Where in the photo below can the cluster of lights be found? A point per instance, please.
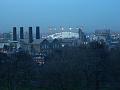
(62, 28)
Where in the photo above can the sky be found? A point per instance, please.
(91, 14)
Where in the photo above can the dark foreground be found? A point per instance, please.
(70, 68)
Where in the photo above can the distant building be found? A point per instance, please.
(14, 45)
(39, 59)
(2, 46)
(102, 35)
(55, 44)
(114, 45)
(14, 34)
(21, 33)
(82, 37)
(30, 35)
(115, 36)
(35, 45)
(37, 32)
(1, 35)
(69, 42)
(45, 46)
(6, 36)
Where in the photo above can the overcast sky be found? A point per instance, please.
(92, 14)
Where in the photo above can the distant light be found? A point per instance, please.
(88, 36)
(63, 45)
(62, 28)
(55, 28)
(50, 29)
(70, 28)
(77, 28)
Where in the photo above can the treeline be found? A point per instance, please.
(17, 71)
(93, 67)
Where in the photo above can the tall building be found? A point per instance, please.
(21, 33)
(30, 35)
(37, 32)
(80, 33)
(14, 34)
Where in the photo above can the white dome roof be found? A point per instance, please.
(63, 35)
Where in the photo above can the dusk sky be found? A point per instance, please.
(92, 14)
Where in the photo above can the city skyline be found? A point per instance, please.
(92, 14)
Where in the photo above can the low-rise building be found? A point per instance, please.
(102, 35)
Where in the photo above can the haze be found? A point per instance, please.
(92, 14)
